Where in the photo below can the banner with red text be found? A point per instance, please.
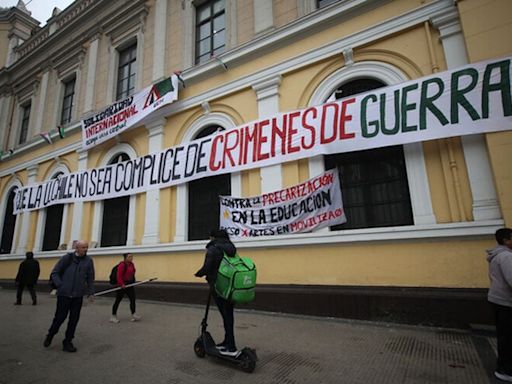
(313, 204)
(126, 113)
(469, 100)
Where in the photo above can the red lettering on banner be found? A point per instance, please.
(215, 167)
(291, 132)
(228, 148)
(324, 139)
(344, 118)
(262, 139)
(310, 128)
(278, 132)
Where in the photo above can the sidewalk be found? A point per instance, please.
(291, 349)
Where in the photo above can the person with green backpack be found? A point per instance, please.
(219, 245)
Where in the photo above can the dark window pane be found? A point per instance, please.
(67, 101)
(52, 228)
(374, 183)
(25, 119)
(114, 228)
(9, 225)
(203, 200)
(325, 3)
(210, 30)
(126, 72)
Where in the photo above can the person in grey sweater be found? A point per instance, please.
(500, 297)
(73, 276)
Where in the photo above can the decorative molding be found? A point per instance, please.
(206, 107)
(348, 55)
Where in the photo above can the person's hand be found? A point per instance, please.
(123, 286)
(90, 298)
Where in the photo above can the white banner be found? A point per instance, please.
(126, 113)
(472, 99)
(313, 204)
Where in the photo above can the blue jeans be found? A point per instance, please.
(65, 306)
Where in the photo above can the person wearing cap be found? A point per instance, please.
(215, 249)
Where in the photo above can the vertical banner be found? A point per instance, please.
(311, 205)
(126, 113)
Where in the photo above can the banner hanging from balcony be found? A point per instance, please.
(126, 113)
(469, 100)
(313, 204)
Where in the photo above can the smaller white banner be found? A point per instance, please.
(126, 113)
(313, 204)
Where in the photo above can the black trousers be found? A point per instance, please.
(65, 306)
(226, 309)
(503, 317)
(130, 292)
(30, 288)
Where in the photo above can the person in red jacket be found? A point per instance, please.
(125, 276)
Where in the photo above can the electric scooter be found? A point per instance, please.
(205, 345)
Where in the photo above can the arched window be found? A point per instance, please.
(53, 225)
(374, 182)
(9, 224)
(203, 198)
(114, 228)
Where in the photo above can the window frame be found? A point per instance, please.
(200, 59)
(419, 189)
(24, 125)
(65, 96)
(131, 48)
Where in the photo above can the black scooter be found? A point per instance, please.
(205, 345)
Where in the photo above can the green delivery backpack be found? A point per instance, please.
(236, 279)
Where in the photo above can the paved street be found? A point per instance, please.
(291, 349)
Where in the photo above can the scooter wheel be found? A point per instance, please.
(247, 363)
(199, 348)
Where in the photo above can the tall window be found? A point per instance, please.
(53, 225)
(126, 72)
(203, 199)
(114, 228)
(9, 224)
(374, 183)
(25, 119)
(210, 29)
(67, 101)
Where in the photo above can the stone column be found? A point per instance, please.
(485, 203)
(159, 39)
(263, 16)
(92, 63)
(78, 206)
(25, 216)
(267, 93)
(152, 218)
(38, 125)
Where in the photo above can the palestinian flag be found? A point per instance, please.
(61, 132)
(46, 136)
(158, 90)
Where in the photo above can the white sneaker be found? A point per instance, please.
(135, 317)
(225, 352)
(503, 376)
(114, 319)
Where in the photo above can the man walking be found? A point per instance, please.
(500, 296)
(70, 275)
(27, 276)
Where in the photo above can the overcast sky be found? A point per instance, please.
(41, 9)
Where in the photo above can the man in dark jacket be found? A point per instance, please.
(220, 243)
(70, 275)
(27, 276)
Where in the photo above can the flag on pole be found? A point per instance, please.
(46, 136)
(180, 79)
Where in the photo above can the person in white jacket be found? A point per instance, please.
(500, 297)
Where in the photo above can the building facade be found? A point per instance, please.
(420, 215)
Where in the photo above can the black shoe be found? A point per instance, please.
(47, 340)
(68, 346)
(16, 303)
(34, 303)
